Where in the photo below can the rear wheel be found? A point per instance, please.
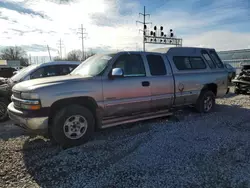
(72, 126)
(3, 110)
(205, 102)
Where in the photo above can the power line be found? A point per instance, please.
(82, 37)
(60, 44)
(144, 25)
(49, 52)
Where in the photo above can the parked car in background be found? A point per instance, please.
(7, 72)
(56, 68)
(3, 80)
(242, 81)
(112, 89)
(19, 68)
(231, 71)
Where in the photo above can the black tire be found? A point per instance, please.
(57, 127)
(244, 92)
(204, 95)
(3, 110)
(236, 91)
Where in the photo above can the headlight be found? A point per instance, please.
(29, 96)
(27, 101)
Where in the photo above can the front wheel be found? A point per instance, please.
(205, 102)
(72, 126)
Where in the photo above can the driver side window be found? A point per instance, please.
(131, 64)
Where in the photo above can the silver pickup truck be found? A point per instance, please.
(112, 89)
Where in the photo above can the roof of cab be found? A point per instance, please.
(59, 63)
(171, 50)
(180, 49)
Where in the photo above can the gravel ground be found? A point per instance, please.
(209, 150)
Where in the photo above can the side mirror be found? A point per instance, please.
(117, 72)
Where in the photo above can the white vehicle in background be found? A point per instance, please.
(55, 68)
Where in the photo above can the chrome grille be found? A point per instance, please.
(17, 103)
(17, 94)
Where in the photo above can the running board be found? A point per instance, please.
(134, 118)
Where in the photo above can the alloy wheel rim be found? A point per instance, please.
(75, 127)
(208, 103)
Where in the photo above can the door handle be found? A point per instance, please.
(145, 83)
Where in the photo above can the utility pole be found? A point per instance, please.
(60, 47)
(49, 52)
(144, 26)
(29, 59)
(65, 54)
(82, 37)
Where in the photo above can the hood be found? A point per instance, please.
(42, 82)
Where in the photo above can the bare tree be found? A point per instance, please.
(15, 53)
(89, 54)
(74, 55)
(57, 58)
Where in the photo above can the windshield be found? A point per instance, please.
(22, 73)
(93, 66)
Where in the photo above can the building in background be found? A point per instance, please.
(235, 57)
(13, 63)
(10, 63)
(3, 63)
(39, 59)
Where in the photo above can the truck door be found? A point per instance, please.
(161, 81)
(130, 93)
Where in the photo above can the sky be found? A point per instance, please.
(111, 24)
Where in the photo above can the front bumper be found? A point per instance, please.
(34, 124)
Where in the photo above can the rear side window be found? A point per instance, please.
(208, 60)
(187, 63)
(51, 71)
(45, 72)
(66, 69)
(216, 59)
(156, 65)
